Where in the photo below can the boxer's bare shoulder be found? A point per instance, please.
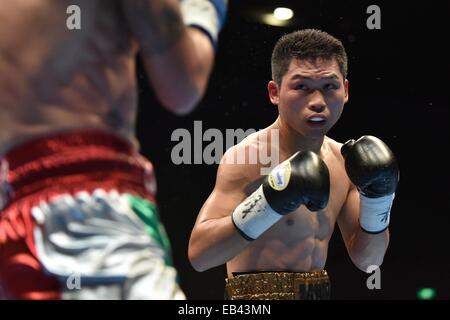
(245, 162)
(53, 78)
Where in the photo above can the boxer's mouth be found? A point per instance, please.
(316, 121)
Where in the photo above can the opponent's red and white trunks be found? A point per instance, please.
(78, 220)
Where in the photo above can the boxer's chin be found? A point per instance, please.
(314, 132)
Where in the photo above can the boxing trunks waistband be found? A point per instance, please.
(278, 286)
(77, 160)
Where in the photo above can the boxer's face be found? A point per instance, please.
(311, 96)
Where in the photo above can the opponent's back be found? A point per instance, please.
(53, 78)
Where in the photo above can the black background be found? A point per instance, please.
(399, 92)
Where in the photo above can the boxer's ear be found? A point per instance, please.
(273, 89)
(346, 90)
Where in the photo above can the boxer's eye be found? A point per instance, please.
(301, 87)
(330, 86)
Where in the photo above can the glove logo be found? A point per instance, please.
(279, 177)
(253, 201)
(384, 216)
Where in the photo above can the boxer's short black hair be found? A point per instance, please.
(308, 44)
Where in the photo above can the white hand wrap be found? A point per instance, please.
(254, 215)
(207, 15)
(374, 214)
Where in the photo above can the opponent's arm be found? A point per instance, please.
(365, 216)
(178, 59)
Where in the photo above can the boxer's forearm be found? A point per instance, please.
(368, 249)
(156, 24)
(178, 59)
(180, 75)
(215, 242)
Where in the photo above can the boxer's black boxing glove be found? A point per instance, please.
(302, 179)
(373, 169)
(308, 183)
(371, 166)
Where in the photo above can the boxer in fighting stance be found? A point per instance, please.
(273, 231)
(78, 217)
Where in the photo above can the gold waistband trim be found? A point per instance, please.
(278, 286)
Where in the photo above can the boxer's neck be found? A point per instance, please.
(292, 141)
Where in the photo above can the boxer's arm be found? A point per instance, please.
(365, 249)
(214, 239)
(178, 59)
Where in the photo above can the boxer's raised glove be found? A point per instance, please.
(301, 179)
(206, 15)
(373, 169)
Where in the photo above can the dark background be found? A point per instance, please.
(399, 92)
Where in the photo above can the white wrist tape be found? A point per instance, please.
(374, 214)
(254, 215)
(203, 14)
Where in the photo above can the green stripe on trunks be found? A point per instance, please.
(148, 213)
